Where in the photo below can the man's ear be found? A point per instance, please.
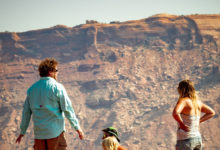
(50, 73)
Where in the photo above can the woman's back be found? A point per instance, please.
(192, 121)
(189, 107)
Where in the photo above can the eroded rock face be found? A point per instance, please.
(122, 74)
(68, 44)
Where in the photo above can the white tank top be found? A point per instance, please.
(193, 122)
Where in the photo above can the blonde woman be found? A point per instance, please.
(113, 133)
(110, 143)
(187, 113)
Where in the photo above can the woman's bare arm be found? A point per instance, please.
(176, 114)
(209, 112)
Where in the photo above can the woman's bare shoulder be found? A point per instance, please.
(183, 100)
(199, 102)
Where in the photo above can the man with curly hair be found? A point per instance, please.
(47, 102)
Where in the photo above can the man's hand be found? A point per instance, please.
(80, 133)
(19, 138)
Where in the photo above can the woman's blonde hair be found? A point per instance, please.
(186, 89)
(110, 143)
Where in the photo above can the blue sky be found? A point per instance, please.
(25, 15)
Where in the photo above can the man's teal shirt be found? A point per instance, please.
(47, 102)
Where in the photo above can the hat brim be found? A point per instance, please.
(112, 133)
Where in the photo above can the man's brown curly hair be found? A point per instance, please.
(48, 64)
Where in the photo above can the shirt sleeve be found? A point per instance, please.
(66, 107)
(26, 116)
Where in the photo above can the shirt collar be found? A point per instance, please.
(47, 78)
